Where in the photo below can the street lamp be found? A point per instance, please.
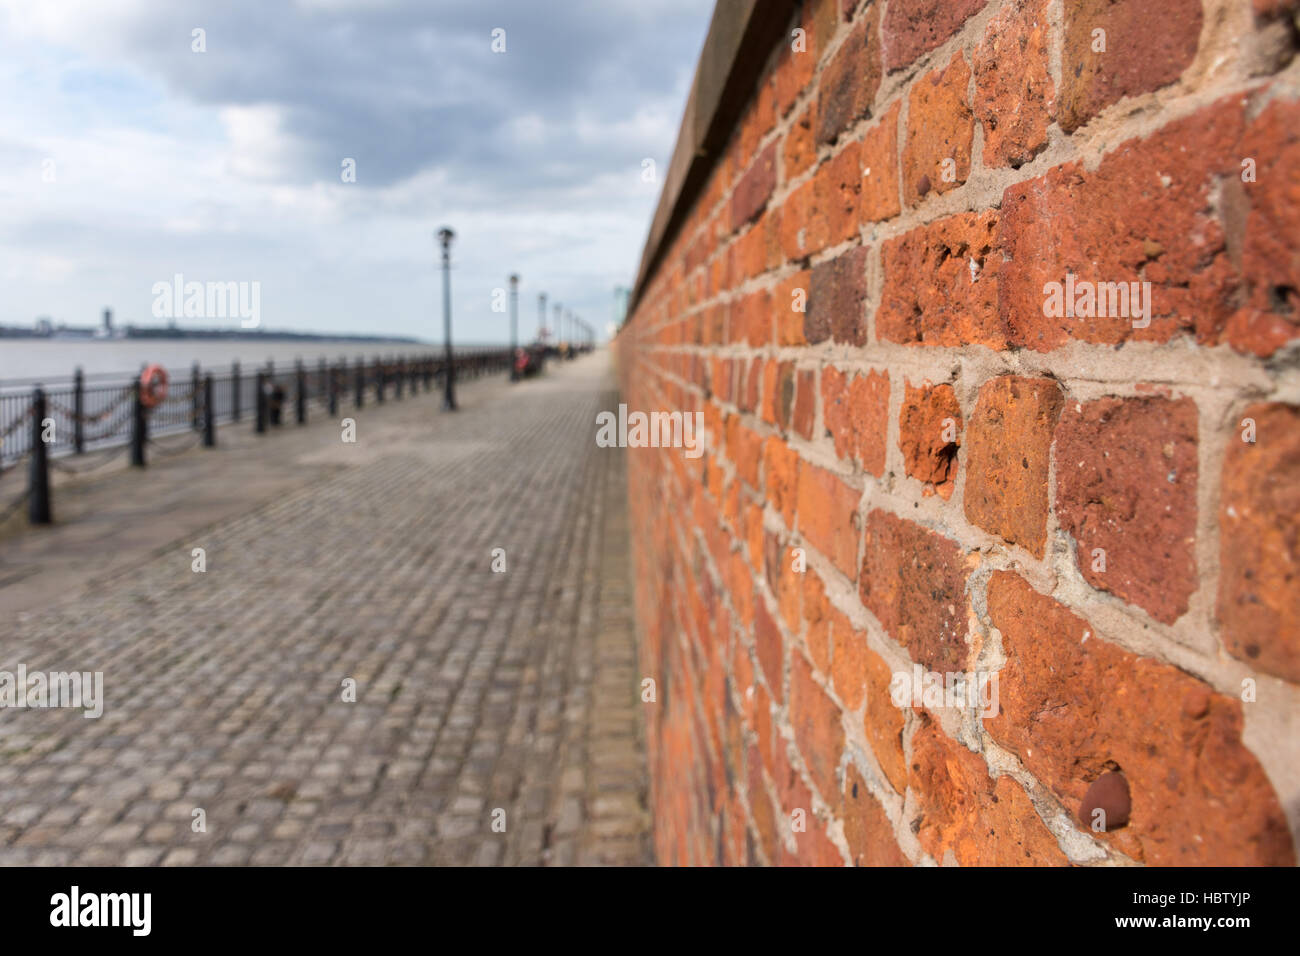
(514, 325)
(541, 315)
(445, 236)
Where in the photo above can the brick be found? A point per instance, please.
(1148, 44)
(828, 516)
(818, 614)
(883, 722)
(929, 434)
(850, 80)
(1073, 706)
(778, 393)
(790, 303)
(940, 131)
(754, 189)
(914, 582)
(878, 169)
(941, 284)
(914, 27)
(1270, 316)
(817, 729)
(771, 653)
(838, 188)
(836, 299)
(1259, 542)
(1275, 8)
(760, 808)
(781, 470)
(745, 449)
(856, 414)
(867, 829)
(1015, 98)
(804, 415)
(800, 147)
(803, 223)
(1066, 221)
(1126, 471)
(848, 663)
(1008, 455)
(965, 813)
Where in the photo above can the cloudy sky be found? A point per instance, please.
(129, 157)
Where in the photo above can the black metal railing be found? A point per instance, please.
(85, 422)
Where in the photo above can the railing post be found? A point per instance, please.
(399, 374)
(379, 380)
(209, 414)
(322, 378)
(361, 382)
(139, 427)
(234, 393)
(78, 411)
(261, 402)
(300, 396)
(333, 386)
(38, 478)
(194, 396)
(428, 374)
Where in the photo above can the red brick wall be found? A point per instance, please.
(953, 462)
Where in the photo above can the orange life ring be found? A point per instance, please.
(153, 386)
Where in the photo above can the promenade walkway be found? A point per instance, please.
(477, 691)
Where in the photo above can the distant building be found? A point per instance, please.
(108, 322)
(44, 326)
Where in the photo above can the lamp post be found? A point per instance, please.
(541, 315)
(559, 309)
(445, 236)
(514, 325)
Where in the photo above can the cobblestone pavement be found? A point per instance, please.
(477, 691)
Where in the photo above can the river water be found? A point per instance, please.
(53, 360)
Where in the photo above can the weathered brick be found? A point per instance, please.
(1015, 98)
(1066, 222)
(914, 582)
(790, 303)
(941, 284)
(929, 434)
(768, 643)
(878, 169)
(1148, 44)
(856, 414)
(819, 616)
(800, 147)
(867, 829)
(817, 728)
(836, 299)
(805, 403)
(803, 223)
(1073, 706)
(979, 820)
(839, 186)
(745, 449)
(883, 722)
(781, 469)
(1259, 542)
(1008, 455)
(755, 188)
(850, 81)
(1270, 316)
(828, 516)
(940, 130)
(1126, 484)
(913, 27)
